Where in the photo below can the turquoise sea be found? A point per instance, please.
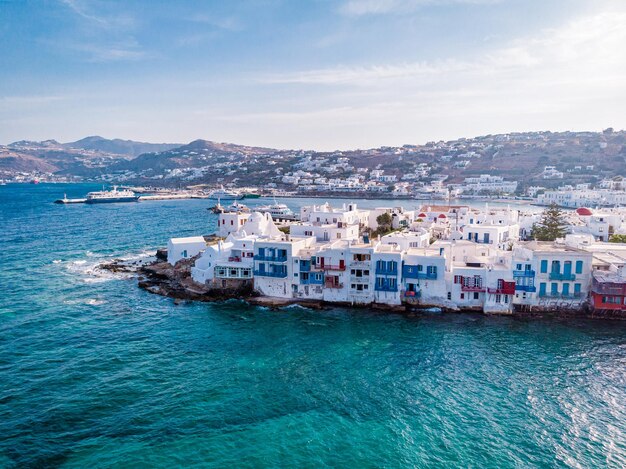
(97, 373)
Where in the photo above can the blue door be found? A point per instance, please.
(566, 289)
(554, 289)
(542, 289)
(486, 238)
(567, 268)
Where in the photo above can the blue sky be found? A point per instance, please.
(309, 74)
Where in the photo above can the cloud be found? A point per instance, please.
(103, 33)
(587, 49)
(378, 7)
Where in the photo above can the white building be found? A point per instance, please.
(184, 248)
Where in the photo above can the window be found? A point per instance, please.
(519, 266)
(544, 266)
(449, 295)
(184, 253)
(475, 295)
(462, 296)
(579, 267)
(498, 298)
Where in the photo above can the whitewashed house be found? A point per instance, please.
(184, 248)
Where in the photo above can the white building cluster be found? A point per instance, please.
(610, 193)
(453, 257)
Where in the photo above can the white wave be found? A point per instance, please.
(95, 302)
(57, 261)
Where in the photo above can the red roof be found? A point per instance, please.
(442, 216)
(422, 215)
(583, 212)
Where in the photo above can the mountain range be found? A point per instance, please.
(522, 156)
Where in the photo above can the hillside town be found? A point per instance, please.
(452, 257)
(573, 169)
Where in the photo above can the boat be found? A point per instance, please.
(237, 207)
(225, 194)
(277, 211)
(114, 195)
(217, 208)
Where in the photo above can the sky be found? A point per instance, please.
(316, 74)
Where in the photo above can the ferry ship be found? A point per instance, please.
(277, 211)
(225, 194)
(114, 195)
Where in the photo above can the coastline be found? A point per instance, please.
(159, 277)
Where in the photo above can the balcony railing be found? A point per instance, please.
(259, 257)
(526, 288)
(473, 288)
(234, 259)
(566, 296)
(559, 276)
(333, 285)
(412, 294)
(523, 273)
(356, 263)
(423, 275)
(258, 273)
(388, 288)
(332, 267)
(502, 291)
(311, 281)
(363, 279)
(386, 271)
(305, 266)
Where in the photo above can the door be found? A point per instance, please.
(322, 262)
(486, 238)
(542, 289)
(342, 264)
(565, 289)
(567, 268)
(554, 289)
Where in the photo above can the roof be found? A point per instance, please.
(190, 239)
(584, 212)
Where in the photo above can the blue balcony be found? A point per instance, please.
(566, 296)
(526, 288)
(523, 273)
(410, 271)
(312, 281)
(277, 274)
(386, 288)
(559, 276)
(259, 257)
(386, 271)
(305, 266)
(385, 285)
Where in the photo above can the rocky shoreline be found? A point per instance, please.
(159, 277)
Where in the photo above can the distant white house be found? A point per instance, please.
(184, 248)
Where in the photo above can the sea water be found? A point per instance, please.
(95, 372)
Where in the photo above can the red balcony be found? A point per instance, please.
(473, 288)
(234, 259)
(332, 267)
(503, 288)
